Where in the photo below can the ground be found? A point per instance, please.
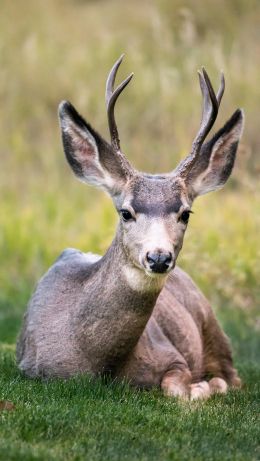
(83, 419)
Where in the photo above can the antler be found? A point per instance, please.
(111, 98)
(211, 103)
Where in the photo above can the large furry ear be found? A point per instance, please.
(91, 158)
(216, 160)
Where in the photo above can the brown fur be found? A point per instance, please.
(118, 314)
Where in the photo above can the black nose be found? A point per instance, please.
(159, 262)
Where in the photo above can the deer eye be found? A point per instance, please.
(184, 217)
(126, 215)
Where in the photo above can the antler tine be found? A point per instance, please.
(211, 104)
(209, 112)
(221, 88)
(111, 98)
(111, 79)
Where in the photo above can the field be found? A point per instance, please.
(63, 50)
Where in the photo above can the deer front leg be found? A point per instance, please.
(218, 361)
(218, 364)
(156, 362)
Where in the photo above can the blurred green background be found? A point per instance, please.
(56, 50)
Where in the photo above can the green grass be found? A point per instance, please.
(63, 50)
(95, 420)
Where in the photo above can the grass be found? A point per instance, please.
(83, 419)
(63, 50)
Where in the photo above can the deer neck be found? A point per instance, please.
(119, 304)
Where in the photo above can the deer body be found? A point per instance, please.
(132, 313)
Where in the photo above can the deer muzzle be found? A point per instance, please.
(159, 262)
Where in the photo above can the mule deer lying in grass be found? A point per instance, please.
(129, 313)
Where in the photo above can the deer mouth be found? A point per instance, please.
(158, 273)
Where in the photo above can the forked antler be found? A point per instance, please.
(111, 98)
(211, 103)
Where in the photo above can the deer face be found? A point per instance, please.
(154, 214)
(154, 209)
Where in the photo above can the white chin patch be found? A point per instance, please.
(155, 275)
(143, 280)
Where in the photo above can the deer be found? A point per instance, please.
(132, 313)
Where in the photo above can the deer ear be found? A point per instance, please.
(217, 157)
(89, 155)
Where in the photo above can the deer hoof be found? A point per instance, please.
(218, 386)
(177, 390)
(199, 390)
(236, 383)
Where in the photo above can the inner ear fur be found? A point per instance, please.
(217, 158)
(91, 158)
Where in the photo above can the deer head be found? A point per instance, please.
(153, 209)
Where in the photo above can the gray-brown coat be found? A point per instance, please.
(132, 313)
